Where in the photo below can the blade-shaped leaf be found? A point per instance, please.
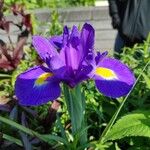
(12, 139)
(45, 138)
(18, 126)
(5, 75)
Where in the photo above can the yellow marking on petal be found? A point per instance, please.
(105, 73)
(41, 79)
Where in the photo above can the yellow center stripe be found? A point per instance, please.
(41, 79)
(105, 73)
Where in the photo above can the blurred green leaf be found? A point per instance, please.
(12, 139)
(5, 75)
(147, 80)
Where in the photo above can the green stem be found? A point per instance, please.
(76, 107)
(113, 119)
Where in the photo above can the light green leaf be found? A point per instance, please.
(134, 124)
(48, 138)
(147, 80)
(5, 75)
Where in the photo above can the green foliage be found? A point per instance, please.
(33, 4)
(55, 27)
(29, 61)
(3, 76)
(45, 138)
(81, 2)
(136, 58)
(133, 124)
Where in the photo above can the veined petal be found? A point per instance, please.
(87, 39)
(55, 63)
(36, 86)
(43, 47)
(74, 37)
(113, 78)
(70, 53)
(65, 35)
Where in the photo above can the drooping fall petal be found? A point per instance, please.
(113, 78)
(36, 86)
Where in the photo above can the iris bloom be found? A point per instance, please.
(70, 59)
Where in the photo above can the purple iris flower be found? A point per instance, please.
(71, 58)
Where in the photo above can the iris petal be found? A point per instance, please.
(87, 39)
(56, 41)
(113, 78)
(65, 35)
(74, 37)
(44, 48)
(36, 86)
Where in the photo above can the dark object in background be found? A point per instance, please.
(131, 18)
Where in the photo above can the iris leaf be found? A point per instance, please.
(12, 139)
(5, 75)
(45, 138)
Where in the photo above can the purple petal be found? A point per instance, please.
(65, 36)
(87, 38)
(71, 52)
(100, 56)
(36, 86)
(75, 37)
(56, 41)
(83, 73)
(113, 78)
(43, 47)
(55, 63)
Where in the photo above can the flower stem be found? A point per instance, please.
(76, 107)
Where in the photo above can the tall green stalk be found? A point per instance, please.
(75, 102)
